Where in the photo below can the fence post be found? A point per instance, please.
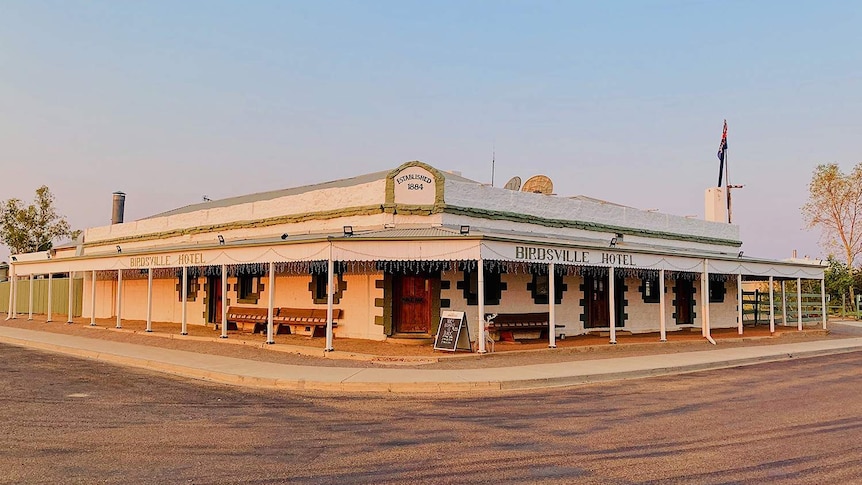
(756, 306)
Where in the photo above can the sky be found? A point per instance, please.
(621, 100)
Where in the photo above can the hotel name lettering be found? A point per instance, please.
(182, 259)
(554, 255)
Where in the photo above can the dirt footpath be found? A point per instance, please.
(301, 350)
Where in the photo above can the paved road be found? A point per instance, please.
(64, 420)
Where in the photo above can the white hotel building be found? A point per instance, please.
(397, 248)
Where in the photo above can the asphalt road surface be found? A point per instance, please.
(64, 420)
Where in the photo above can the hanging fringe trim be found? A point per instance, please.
(402, 267)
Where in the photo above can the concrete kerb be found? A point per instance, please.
(664, 371)
(337, 379)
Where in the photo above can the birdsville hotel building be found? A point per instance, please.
(398, 249)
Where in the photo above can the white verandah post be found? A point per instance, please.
(93, 299)
(704, 298)
(330, 292)
(480, 295)
(269, 313)
(223, 301)
(662, 311)
(71, 296)
(9, 312)
(771, 305)
(612, 307)
(50, 295)
(552, 301)
(30, 304)
(783, 303)
(119, 298)
(149, 299)
(184, 329)
(13, 289)
(823, 300)
(739, 302)
(799, 304)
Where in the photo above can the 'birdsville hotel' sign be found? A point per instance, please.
(569, 256)
(162, 260)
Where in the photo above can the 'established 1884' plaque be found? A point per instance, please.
(452, 333)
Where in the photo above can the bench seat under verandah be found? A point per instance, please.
(311, 321)
(510, 326)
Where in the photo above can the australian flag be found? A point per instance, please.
(722, 150)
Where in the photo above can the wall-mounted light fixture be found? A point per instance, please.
(221, 239)
(284, 236)
(348, 230)
(119, 249)
(465, 229)
(613, 242)
(14, 258)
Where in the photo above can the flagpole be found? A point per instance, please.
(727, 182)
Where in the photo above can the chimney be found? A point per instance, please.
(119, 208)
(794, 254)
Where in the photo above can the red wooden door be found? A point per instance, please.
(412, 304)
(683, 302)
(596, 293)
(214, 299)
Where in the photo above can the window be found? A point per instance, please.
(649, 289)
(247, 289)
(318, 288)
(540, 287)
(716, 291)
(493, 287)
(191, 288)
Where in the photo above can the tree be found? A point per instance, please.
(838, 279)
(34, 227)
(835, 206)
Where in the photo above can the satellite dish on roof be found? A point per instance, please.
(538, 184)
(514, 183)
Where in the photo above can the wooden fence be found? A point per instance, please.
(755, 307)
(59, 295)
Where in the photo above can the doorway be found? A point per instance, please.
(596, 305)
(684, 303)
(411, 304)
(214, 299)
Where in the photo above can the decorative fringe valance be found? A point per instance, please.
(404, 267)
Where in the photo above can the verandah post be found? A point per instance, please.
(552, 301)
(93, 298)
(119, 298)
(50, 295)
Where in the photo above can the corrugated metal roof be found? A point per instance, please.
(274, 194)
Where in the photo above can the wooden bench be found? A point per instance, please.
(313, 319)
(254, 319)
(245, 318)
(508, 323)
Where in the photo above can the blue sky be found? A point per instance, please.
(620, 100)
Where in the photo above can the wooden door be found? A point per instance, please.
(214, 299)
(684, 302)
(596, 294)
(412, 304)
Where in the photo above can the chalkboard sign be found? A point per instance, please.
(452, 333)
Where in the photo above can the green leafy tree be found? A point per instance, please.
(35, 227)
(835, 206)
(838, 278)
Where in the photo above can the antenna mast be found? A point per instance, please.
(493, 159)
